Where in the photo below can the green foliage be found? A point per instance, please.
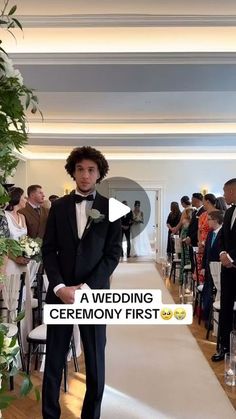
(15, 99)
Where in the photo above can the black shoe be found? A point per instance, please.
(219, 356)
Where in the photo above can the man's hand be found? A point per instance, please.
(225, 260)
(67, 294)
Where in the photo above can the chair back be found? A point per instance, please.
(177, 244)
(12, 294)
(215, 269)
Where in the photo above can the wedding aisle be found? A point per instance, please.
(157, 371)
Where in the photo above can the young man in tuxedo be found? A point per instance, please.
(35, 214)
(126, 222)
(228, 270)
(78, 253)
(197, 202)
(211, 254)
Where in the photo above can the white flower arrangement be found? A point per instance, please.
(31, 248)
(94, 216)
(9, 69)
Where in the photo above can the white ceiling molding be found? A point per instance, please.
(135, 140)
(124, 20)
(124, 58)
(177, 120)
(138, 156)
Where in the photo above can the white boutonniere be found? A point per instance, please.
(94, 216)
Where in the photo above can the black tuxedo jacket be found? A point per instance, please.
(127, 219)
(193, 227)
(211, 253)
(228, 242)
(72, 261)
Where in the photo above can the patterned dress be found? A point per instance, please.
(185, 256)
(203, 229)
(4, 229)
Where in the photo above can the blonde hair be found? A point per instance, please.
(188, 213)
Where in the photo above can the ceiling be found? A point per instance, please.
(148, 79)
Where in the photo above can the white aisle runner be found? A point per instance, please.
(157, 372)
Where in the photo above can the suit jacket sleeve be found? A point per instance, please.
(193, 230)
(50, 249)
(206, 247)
(112, 252)
(224, 242)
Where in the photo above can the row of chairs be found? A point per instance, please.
(197, 288)
(36, 338)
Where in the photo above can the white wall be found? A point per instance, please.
(176, 177)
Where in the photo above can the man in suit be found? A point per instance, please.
(211, 254)
(126, 222)
(35, 214)
(78, 253)
(228, 271)
(192, 234)
(197, 202)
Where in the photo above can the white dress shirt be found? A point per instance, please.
(233, 218)
(81, 220)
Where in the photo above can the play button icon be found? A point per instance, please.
(117, 209)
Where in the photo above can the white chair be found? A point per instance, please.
(176, 260)
(37, 338)
(215, 268)
(12, 293)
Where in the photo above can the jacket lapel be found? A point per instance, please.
(72, 216)
(32, 212)
(96, 205)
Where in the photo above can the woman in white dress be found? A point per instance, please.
(140, 242)
(17, 228)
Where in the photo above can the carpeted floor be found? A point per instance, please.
(158, 372)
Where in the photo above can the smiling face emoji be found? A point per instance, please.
(166, 313)
(180, 313)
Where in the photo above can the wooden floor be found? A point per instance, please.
(71, 402)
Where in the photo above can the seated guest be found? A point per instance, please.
(211, 254)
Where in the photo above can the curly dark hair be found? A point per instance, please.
(87, 153)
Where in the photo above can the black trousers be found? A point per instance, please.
(58, 341)
(127, 236)
(227, 298)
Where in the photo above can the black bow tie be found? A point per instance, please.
(79, 198)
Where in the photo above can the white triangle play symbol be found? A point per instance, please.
(117, 209)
